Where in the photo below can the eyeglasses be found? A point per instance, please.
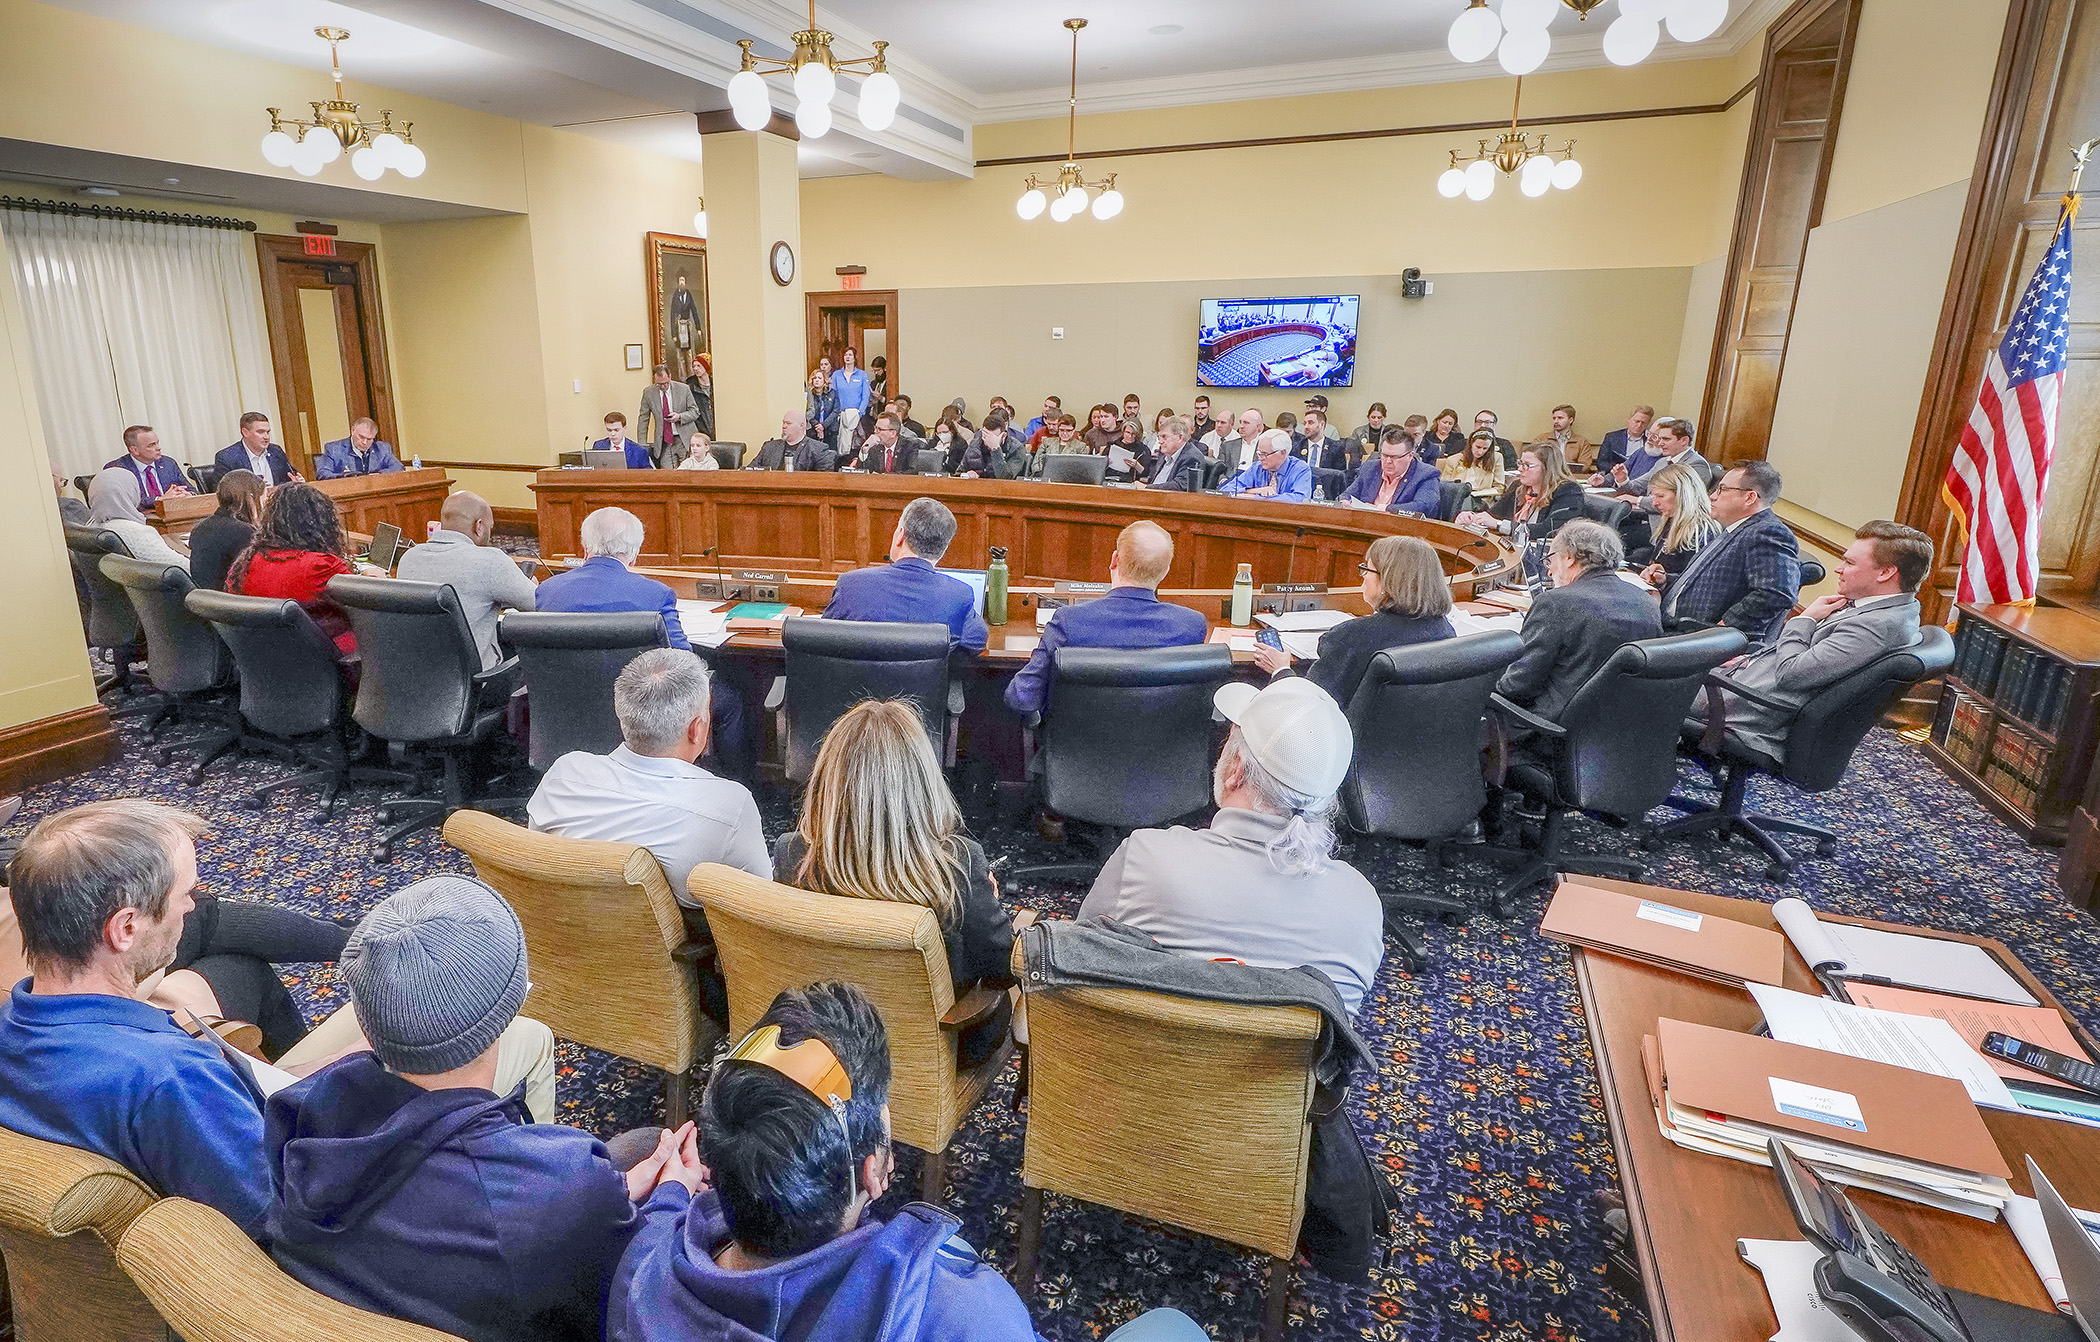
(1736, 489)
(1365, 568)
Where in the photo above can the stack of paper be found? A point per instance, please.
(1902, 959)
(1509, 598)
(1921, 1043)
(1660, 933)
(1302, 621)
(704, 623)
(1465, 622)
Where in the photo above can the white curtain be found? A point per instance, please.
(132, 322)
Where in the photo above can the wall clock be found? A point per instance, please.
(783, 263)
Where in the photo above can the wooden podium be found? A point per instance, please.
(409, 499)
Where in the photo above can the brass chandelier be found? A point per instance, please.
(814, 71)
(1517, 35)
(1512, 154)
(339, 125)
(1071, 185)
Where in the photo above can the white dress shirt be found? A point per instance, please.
(680, 812)
(259, 462)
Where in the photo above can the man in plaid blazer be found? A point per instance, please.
(1749, 575)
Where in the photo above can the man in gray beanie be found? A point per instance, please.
(412, 1180)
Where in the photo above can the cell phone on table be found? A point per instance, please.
(1268, 638)
(2071, 1072)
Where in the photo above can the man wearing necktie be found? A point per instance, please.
(882, 452)
(159, 476)
(668, 415)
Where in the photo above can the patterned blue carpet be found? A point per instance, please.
(1485, 1109)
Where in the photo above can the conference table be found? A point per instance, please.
(409, 499)
(1687, 1209)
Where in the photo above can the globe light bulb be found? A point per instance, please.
(1536, 176)
(813, 119)
(1077, 195)
(279, 150)
(814, 82)
(1629, 40)
(321, 143)
(1524, 50)
(1566, 174)
(700, 224)
(410, 162)
(307, 162)
(1518, 14)
(1651, 10)
(1480, 188)
(748, 101)
(388, 146)
(1696, 20)
(1452, 184)
(1062, 208)
(368, 163)
(1032, 204)
(1474, 34)
(880, 96)
(1108, 205)
(1480, 170)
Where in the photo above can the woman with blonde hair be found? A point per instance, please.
(1410, 601)
(1545, 496)
(878, 822)
(1683, 523)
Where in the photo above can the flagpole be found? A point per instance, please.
(2079, 154)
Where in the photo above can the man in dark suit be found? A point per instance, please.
(886, 452)
(1575, 627)
(158, 476)
(616, 440)
(1669, 444)
(1748, 576)
(1129, 615)
(1181, 458)
(908, 589)
(362, 453)
(795, 444)
(1488, 419)
(255, 452)
(1619, 443)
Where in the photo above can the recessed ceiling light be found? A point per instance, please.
(100, 191)
(171, 181)
(1164, 30)
(868, 153)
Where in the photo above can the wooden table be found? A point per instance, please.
(1688, 1209)
(829, 522)
(408, 499)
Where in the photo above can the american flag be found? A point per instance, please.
(1996, 480)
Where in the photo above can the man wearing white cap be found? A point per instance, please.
(1259, 885)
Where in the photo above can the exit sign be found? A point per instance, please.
(319, 246)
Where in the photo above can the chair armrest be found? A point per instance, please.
(502, 668)
(697, 954)
(972, 1007)
(776, 696)
(1026, 918)
(1742, 691)
(957, 700)
(1526, 716)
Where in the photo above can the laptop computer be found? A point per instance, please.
(605, 461)
(974, 577)
(2077, 1257)
(385, 547)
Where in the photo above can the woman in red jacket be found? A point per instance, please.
(296, 550)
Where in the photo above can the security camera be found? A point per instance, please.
(1412, 285)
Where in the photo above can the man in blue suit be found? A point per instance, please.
(611, 539)
(908, 590)
(158, 475)
(1620, 444)
(1129, 615)
(1275, 473)
(360, 454)
(616, 440)
(1748, 576)
(1396, 479)
(255, 452)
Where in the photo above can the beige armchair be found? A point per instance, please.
(62, 1212)
(611, 965)
(772, 937)
(214, 1285)
(1192, 1113)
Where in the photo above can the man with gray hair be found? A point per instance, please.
(910, 589)
(1575, 627)
(486, 580)
(362, 453)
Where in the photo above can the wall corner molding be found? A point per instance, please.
(55, 747)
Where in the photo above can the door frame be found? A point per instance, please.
(815, 305)
(288, 360)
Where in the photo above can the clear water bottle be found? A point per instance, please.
(995, 588)
(1243, 597)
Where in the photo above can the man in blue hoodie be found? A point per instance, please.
(407, 1186)
(796, 1127)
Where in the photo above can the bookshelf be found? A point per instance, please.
(2015, 722)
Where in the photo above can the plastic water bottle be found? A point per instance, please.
(415, 462)
(995, 587)
(1243, 597)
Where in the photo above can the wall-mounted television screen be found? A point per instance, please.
(1277, 342)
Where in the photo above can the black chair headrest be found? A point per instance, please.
(1812, 572)
(94, 540)
(585, 630)
(1675, 655)
(864, 640)
(145, 575)
(252, 612)
(1180, 665)
(1447, 659)
(393, 596)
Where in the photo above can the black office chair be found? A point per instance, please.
(1215, 473)
(1125, 739)
(292, 702)
(728, 456)
(834, 664)
(1416, 774)
(205, 479)
(1452, 498)
(81, 483)
(186, 660)
(1818, 749)
(1613, 754)
(112, 621)
(1812, 572)
(570, 661)
(421, 686)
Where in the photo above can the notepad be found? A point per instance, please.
(757, 610)
(1898, 959)
(1661, 933)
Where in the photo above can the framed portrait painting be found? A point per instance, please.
(676, 268)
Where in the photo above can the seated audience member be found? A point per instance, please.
(1396, 480)
(1669, 444)
(1620, 444)
(1133, 408)
(885, 453)
(948, 443)
(156, 475)
(795, 449)
(1178, 463)
(255, 452)
(1045, 423)
(1128, 457)
(1371, 432)
(1475, 465)
(1574, 627)
(1158, 421)
(1489, 420)
(1443, 435)
(1318, 401)
(1275, 474)
(1750, 574)
(878, 822)
(1575, 449)
(219, 539)
(1236, 450)
(1287, 422)
(1682, 523)
(616, 440)
(1874, 610)
(795, 1128)
(486, 580)
(1063, 440)
(73, 512)
(296, 550)
(1417, 429)
(1259, 885)
(820, 409)
(994, 451)
(113, 505)
(698, 457)
(362, 453)
(1330, 455)
(1544, 497)
(1200, 421)
(962, 416)
(914, 428)
(1128, 615)
(651, 789)
(908, 589)
(1410, 601)
(408, 1184)
(1101, 429)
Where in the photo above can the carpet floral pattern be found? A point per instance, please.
(1484, 1109)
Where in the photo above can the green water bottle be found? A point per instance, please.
(995, 588)
(1243, 597)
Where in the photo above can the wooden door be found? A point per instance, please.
(327, 344)
(1793, 130)
(841, 319)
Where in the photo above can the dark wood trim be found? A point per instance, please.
(654, 245)
(485, 465)
(816, 302)
(714, 123)
(55, 747)
(288, 338)
(1817, 539)
(1385, 133)
(78, 211)
(517, 521)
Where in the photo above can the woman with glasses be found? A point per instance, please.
(1545, 497)
(1410, 600)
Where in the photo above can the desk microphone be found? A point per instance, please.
(721, 583)
(1290, 563)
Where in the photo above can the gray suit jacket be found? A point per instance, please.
(1570, 633)
(1807, 656)
(487, 581)
(685, 416)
